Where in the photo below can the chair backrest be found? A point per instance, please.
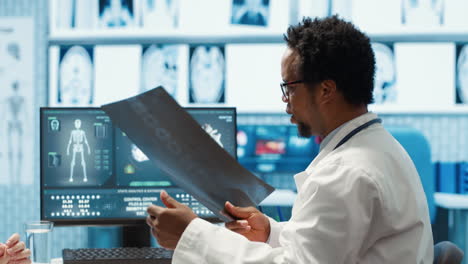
(446, 252)
(414, 142)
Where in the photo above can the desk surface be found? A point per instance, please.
(451, 201)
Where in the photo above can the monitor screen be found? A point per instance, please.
(267, 149)
(92, 173)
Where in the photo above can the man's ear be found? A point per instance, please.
(327, 90)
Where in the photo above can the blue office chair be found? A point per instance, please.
(446, 252)
(416, 145)
(414, 142)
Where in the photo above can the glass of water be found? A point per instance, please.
(38, 240)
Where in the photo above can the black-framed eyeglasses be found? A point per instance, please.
(285, 88)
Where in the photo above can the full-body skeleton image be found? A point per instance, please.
(78, 137)
(13, 112)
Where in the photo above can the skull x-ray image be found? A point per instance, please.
(207, 74)
(422, 12)
(385, 74)
(462, 75)
(76, 76)
(160, 14)
(159, 67)
(116, 13)
(54, 125)
(250, 12)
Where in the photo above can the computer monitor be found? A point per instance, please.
(266, 149)
(92, 173)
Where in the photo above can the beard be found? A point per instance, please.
(303, 130)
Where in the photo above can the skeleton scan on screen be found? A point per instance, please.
(77, 138)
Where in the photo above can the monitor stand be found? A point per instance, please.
(136, 235)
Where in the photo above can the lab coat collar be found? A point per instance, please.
(334, 140)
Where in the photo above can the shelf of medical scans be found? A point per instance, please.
(419, 109)
(140, 36)
(452, 201)
(280, 197)
(423, 34)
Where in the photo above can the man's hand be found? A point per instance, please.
(17, 251)
(252, 224)
(4, 257)
(168, 224)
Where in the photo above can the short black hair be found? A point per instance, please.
(333, 49)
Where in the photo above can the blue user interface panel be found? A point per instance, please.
(92, 172)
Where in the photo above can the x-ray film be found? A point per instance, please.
(422, 12)
(76, 76)
(159, 68)
(462, 75)
(116, 14)
(160, 15)
(385, 74)
(207, 74)
(250, 12)
(191, 157)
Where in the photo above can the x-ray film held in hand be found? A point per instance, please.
(176, 143)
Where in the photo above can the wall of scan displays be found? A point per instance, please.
(192, 74)
(379, 15)
(168, 15)
(407, 74)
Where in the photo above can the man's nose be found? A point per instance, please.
(284, 98)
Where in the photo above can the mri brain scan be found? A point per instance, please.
(159, 67)
(76, 77)
(207, 74)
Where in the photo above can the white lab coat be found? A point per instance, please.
(361, 203)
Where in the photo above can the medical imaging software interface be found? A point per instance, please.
(90, 170)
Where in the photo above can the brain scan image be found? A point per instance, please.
(422, 12)
(54, 125)
(76, 78)
(159, 67)
(462, 75)
(384, 80)
(207, 67)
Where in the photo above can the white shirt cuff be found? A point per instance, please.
(275, 230)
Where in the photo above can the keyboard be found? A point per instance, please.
(126, 255)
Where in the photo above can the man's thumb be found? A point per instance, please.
(168, 201)
(2, 249)
(238, 212)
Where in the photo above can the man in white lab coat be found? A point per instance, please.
(359, 201)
